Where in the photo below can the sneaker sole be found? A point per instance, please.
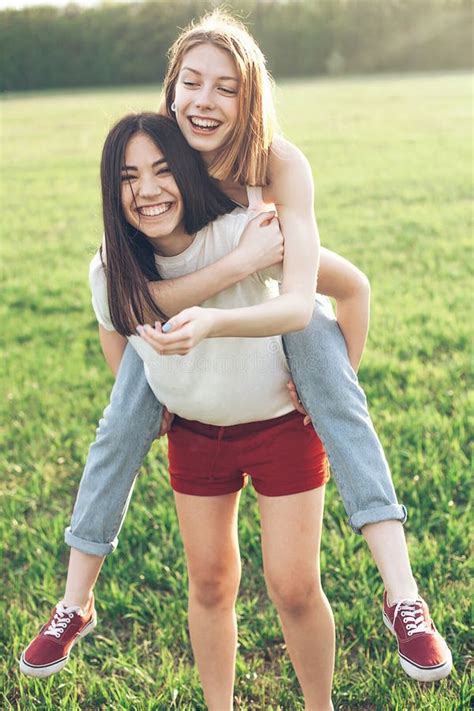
(47, 669)
(440, 671)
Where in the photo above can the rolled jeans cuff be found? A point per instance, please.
(89, 547)
(393, 512)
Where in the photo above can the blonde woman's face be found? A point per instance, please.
(207, 98)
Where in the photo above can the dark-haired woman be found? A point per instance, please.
(234, 414)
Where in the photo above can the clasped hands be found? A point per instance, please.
(180, 334)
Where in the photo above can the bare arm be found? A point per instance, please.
(350, 288)
(293, 195)
(174, 295)
(292, 192)
(113, 346)
(258, 249)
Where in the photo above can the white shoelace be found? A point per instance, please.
(62, 618)
(413, 618)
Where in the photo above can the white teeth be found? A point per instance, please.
(154, 210)
(204, 123)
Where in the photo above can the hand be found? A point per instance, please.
(297, 402)
(166, 422)
(181, 333)
(262, 244)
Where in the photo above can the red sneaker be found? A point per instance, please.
(49, 651)
(424, 654)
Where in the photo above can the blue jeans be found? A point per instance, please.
(329, 390)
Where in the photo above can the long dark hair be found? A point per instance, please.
(129, 258)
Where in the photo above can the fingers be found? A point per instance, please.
(163, 425)
(271, 219)
(156, 335)
(263, 218)
(271, 222)
(176, 343)
(176, 322)
(166, 422)
(296, 402)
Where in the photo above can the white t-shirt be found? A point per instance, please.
(222, 381)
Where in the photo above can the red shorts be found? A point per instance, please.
(281, 455)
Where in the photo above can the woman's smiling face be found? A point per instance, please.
(151, 201)
(206, 98)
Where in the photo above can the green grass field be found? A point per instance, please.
(391, 158)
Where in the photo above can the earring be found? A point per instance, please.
(173, 107)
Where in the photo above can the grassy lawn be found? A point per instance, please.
(391, 158)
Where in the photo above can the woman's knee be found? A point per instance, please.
(294, 594)
(215, 586)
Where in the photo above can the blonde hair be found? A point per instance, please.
(245, 156)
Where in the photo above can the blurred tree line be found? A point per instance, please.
(112, 44)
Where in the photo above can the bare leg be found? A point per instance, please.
(208, 527)
(386, 540)
(291, 535)
(82, 574)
